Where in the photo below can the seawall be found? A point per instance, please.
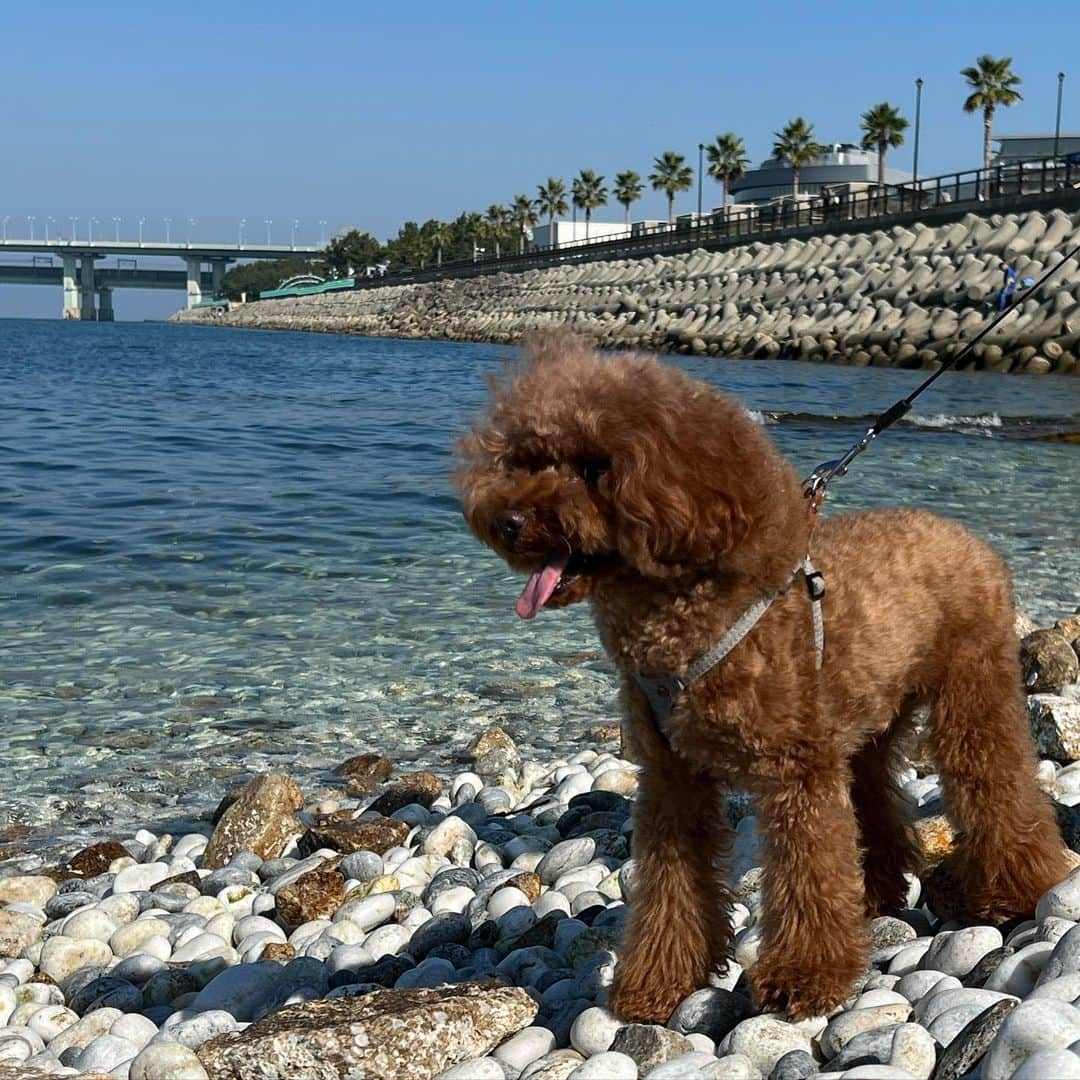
(907, 296)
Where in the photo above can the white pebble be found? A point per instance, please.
(606, 1066)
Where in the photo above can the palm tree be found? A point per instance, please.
(551, 200)
(727, 160)
(627, 190)
(575, 202)
(497, 218)
(992, 83)
(670, 175)
(523, 215)
(440, 236)
(590, 191)
(796, 145)
(473, 225)
(882, 126)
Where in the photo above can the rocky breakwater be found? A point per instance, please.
(908, 296)
(407, 926)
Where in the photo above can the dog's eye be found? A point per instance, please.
(592, 470)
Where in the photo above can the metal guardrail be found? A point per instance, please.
(737, 223)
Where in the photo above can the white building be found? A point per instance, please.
(568, 231)
(1031, 147)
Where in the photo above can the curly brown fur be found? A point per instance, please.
(665, 505)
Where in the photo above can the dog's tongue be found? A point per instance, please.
(540, 586)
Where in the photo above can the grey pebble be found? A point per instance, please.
(794, 1065)
(971, 1043)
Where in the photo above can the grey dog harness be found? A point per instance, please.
(663, 691)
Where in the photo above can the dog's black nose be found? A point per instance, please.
(510, 523)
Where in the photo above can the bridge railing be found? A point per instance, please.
(740, 223)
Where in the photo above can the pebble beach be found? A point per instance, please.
(406, 925)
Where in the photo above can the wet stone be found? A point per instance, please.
(422, 788)
(95, 859)
(377, 836)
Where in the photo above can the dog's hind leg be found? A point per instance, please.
(1009, 850)
(886, 834)
(680, 908)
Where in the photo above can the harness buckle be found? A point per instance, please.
(661, 692)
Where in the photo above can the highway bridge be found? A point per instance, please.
(88, 289)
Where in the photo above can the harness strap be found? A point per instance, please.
(663, 691)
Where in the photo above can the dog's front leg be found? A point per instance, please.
(680, 908)
(814, 942)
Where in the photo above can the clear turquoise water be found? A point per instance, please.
(224, 551)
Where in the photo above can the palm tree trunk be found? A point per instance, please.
(724, 191)
(882, 148)
(440, 257)
(521, 241)
(795, 181)
(671, 207)
(627, 207)
(552, 243)
(498, 249)
(588, 216)
(988, 135)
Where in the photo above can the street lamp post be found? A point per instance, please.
(6, 219)
(918, 118)
(268, 222)
(48, 221)
(292, 234)
(90, 229)
(142, 222)
(1057, 122)
(73, 221)
(30, 218)
(191, 223)
(168, 225)
(322, 233)
(116, 229)
(700, 161)
(240, 232)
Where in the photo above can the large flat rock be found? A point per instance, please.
(404, 1034)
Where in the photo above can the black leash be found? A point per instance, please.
(816, 483)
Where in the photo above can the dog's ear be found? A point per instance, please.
(675, 502)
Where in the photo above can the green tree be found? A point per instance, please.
(795, 144)
(551, 200)
(727, 160)
(411, 247)
(474, 228)
(523, 215)
(671, 175)
(351, 252)
(496, 220)
(992, 82)
(250, 279)
(439, 235)
(590, 192)
(628, 188)
(882, 126)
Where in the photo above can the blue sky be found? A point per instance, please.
(366, 114)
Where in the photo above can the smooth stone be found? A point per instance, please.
(764, 1040)
(734, 1067)
(846, 1026)
(957, 952)
(160, 1060)
(141, 878)
(1062, 901)
(918, 984)
(933, 1005)
(1046, 1064)
(913, 1049)
(137, 1029)
(130, 938)
(369, 911)
(606, 1066)
(649, 1044)
(525, 1047)
(565, 856)
(1031, 1026)
(27, 889)
(690, 1066)
(594, 1031)
(195, 1030)
(794, 1065)
(104, 1054)
(1018, 974)
(712, 1012)
(446, 929)
(61, 956)
(50, 1020)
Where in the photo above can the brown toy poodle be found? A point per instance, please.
(627, 483)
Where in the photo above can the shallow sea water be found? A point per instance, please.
(225, 551)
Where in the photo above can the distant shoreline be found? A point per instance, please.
(908, 297)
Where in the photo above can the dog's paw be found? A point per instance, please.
(799, 993)
(643, 1003)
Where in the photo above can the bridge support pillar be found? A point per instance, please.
(71, 288)
(105, 309)
(194, 281)
(217, 275)
(87, 311)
